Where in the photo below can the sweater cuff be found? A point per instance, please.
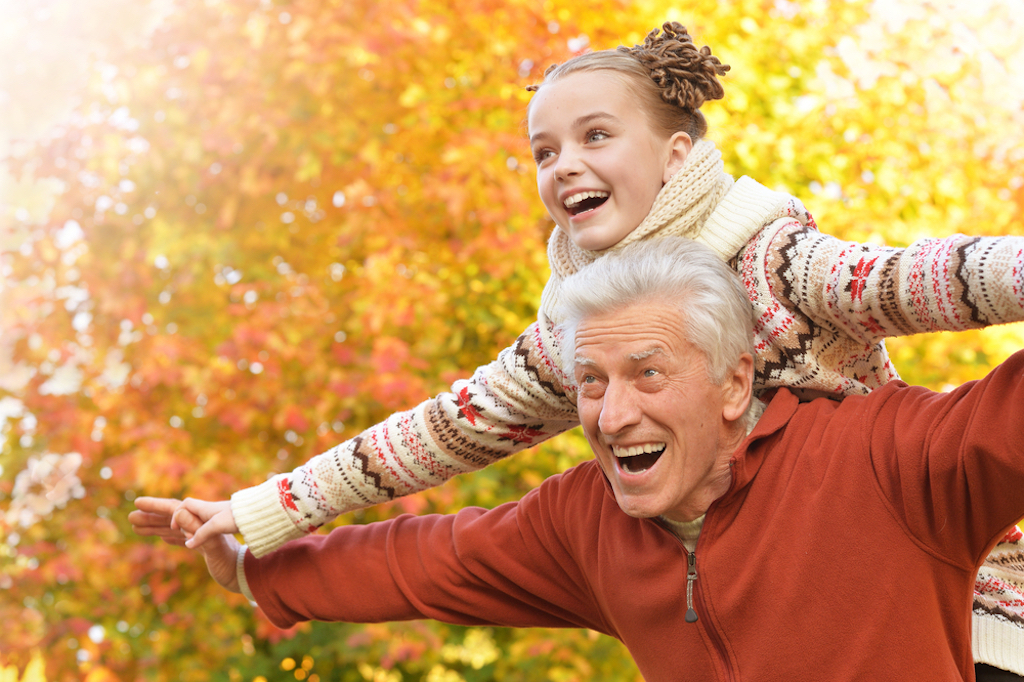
(996, 641)
(744, 211)
(243, 584)
(262, 519)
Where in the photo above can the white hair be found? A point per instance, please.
(716, 313)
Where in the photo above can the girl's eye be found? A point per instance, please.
(542, 155)
(596, 135)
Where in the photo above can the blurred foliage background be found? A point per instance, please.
(236, 232)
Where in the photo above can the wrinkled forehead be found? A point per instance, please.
(630, 334)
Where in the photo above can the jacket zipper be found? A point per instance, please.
(691, 577)
(691, 612)
(691, 562)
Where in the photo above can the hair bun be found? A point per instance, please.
(687, 76)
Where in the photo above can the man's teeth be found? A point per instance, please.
(638, 458)
(634, 450)
(582, 196)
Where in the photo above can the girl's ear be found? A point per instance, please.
(679, 146)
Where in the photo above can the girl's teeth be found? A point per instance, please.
(581, 196)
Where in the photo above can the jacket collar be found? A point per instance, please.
(748, 458)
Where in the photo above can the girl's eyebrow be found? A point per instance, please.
(590, 118)
(583, 121)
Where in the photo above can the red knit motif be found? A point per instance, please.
(467, 410)
(284, 491)
(860, 278)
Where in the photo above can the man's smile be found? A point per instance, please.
(637, 459)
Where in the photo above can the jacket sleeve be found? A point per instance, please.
(517, 401)
(509, 566)
(951, 465)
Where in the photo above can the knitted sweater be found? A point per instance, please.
(998, 618)
(823, 307)
(836, 548)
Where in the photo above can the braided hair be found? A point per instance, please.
(673, 77)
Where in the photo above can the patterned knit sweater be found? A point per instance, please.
(823, 307)
(998, 618)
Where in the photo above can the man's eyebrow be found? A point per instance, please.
(635, 357)
(645, 354)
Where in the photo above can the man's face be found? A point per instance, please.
(662, 432)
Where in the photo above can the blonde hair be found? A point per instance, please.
(670, 75)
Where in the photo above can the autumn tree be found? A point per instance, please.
(255, 227)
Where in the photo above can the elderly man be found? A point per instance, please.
(821, 540)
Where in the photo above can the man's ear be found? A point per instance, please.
(737, 387)
(679, 146)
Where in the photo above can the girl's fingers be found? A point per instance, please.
(141, 518)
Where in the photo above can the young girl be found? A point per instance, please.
(621, 156)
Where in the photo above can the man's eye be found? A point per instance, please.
(650, 372)
(590, 379)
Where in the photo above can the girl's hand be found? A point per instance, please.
(215, 519)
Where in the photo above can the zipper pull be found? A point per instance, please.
(691, 576)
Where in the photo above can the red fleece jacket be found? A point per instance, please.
(845, 548)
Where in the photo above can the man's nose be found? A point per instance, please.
(620, 409)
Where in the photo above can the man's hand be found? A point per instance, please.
(178, 523)
(157, 517)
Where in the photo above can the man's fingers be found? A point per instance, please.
(143, 519)
(157, 531)
(176, 540)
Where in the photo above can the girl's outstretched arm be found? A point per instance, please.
(517, 401)
(824, 305)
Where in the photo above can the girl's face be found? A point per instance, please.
(599, 162)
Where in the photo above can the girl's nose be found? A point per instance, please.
(568, 165)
